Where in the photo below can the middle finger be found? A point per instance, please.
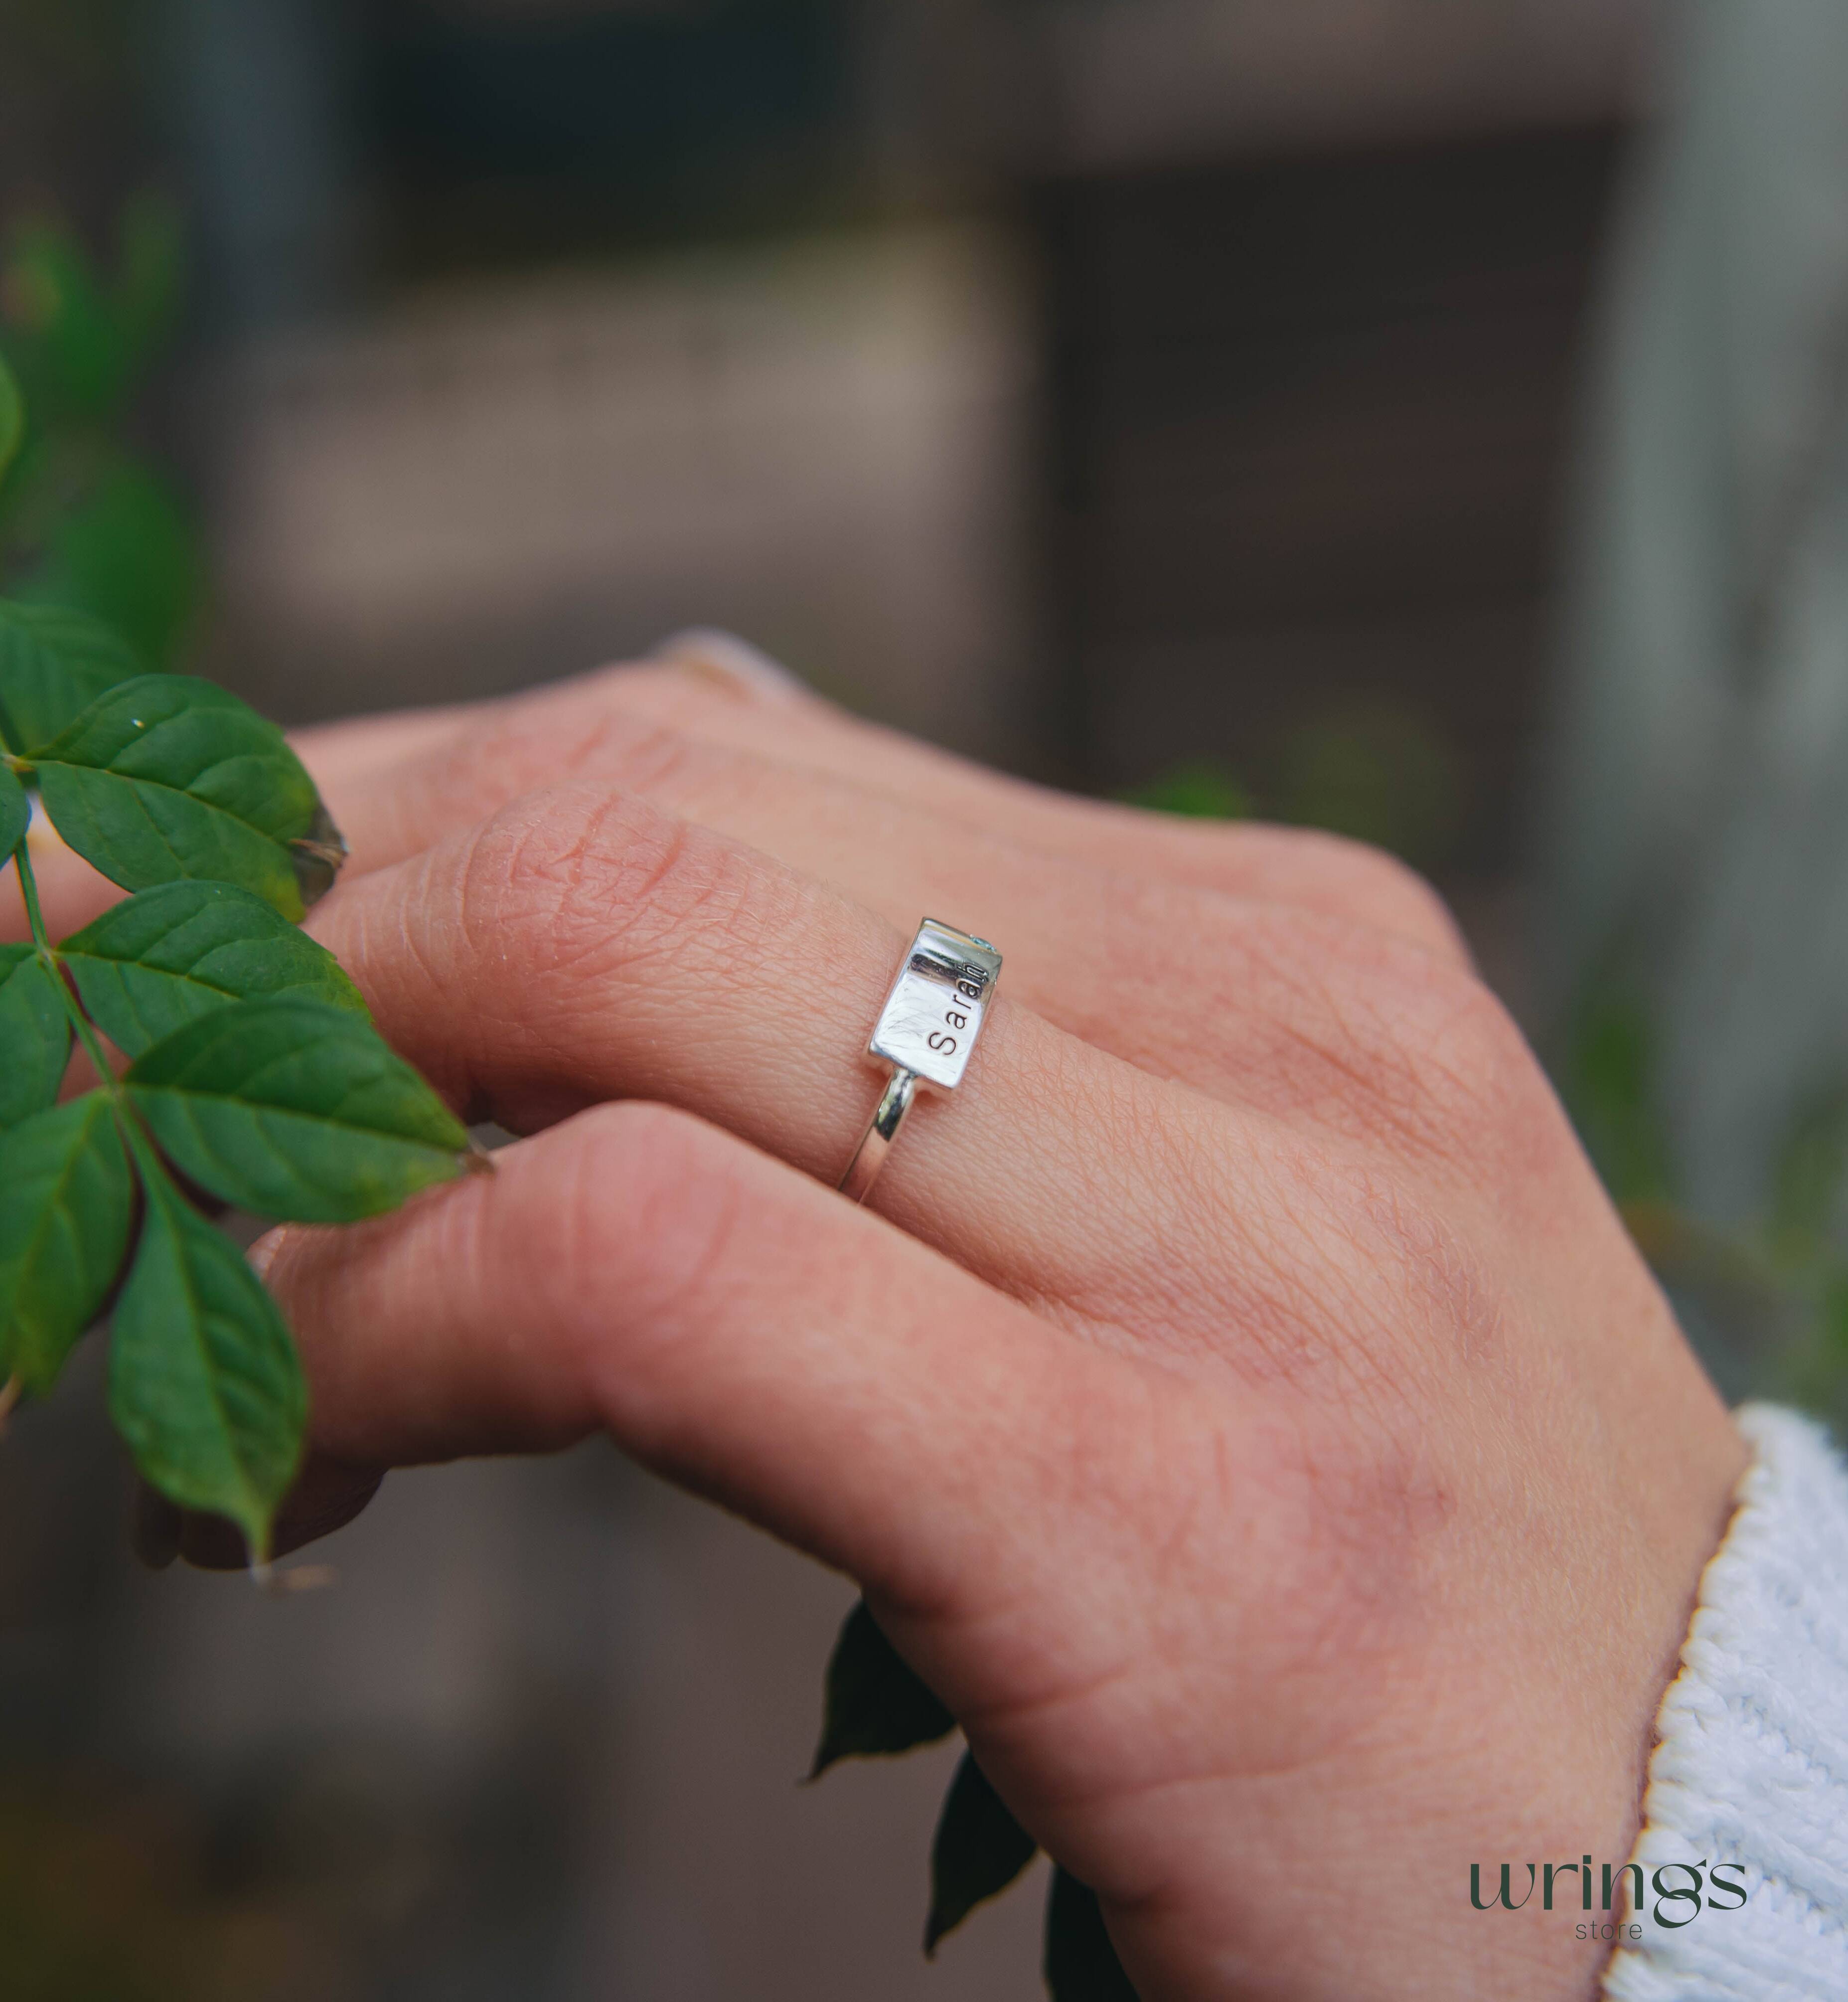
(1303, 1014)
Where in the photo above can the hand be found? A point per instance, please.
(1245, 1410)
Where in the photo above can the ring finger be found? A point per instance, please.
(579, 948)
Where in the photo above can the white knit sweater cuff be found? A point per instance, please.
(1751, 1769)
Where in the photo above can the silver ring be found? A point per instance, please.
(926, 1031)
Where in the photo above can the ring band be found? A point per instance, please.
(926, 1031)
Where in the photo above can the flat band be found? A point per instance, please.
(869, 1156)
(926, 1031)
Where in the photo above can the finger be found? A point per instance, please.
(1319, 871)
(580, 948)
(1303, 1016)
(356, 750)
(328, 1495)
(1259, 1001)
(1243, 998)
(1048, 1530)
(734, 1326)
(353, 751)
(70, 891)
(610, 724)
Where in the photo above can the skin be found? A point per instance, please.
(1239, 1401)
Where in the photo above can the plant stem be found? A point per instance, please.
(48, 958)
(154, 1179)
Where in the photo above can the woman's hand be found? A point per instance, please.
(1244, 1408)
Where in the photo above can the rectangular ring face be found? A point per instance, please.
(933, 1014)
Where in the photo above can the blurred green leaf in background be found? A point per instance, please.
(1376, 770)
(86, 521)
(1200, 789)
(1371, 767)
(1766, 1301)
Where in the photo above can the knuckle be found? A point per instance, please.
(1332, 873)
(576, 882)
(1388, 894)
(664, 1255)
(559, 736)
(1399, 1045)
(1485, 1096)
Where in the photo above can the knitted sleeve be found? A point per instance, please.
(1750, 1768)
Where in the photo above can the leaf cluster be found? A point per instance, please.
(234, 1060)
(877, 1706)
(86, 521)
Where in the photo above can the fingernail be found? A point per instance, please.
(725, 656)
(262, 1254)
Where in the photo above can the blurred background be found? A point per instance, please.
(1423, 418)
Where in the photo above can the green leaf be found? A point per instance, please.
(151, 275)
(161, 960)
(296, 1110)
(1201, 790)
(12, 418)
(35, 1037)
(1610, 1086)
(124, 551)
(54, 663)
(877, 1706)
(979, 1850)
(66, 325)
(168, 778)
(204, 1385)
(1809, 1176)
(69, 1199)
(1081, 1964)
(16, 813)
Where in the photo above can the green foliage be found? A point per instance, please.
(54, 663)
(254, 1068)
(1200, 790)
(1609, 1083)
(1376, 770)
(82, 340)
(85, 523)
(124, 551)
(63, 1232)
(15, 810)
(876, 1707)
(13, 421)
(1369, 768)
(157, 961)
(295, 1111)
(203, 1382)
(1811, 1178)
(1766, 1301)
(170, 778)
(1081, 1964)
(979, 1850)
(35, 1035)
